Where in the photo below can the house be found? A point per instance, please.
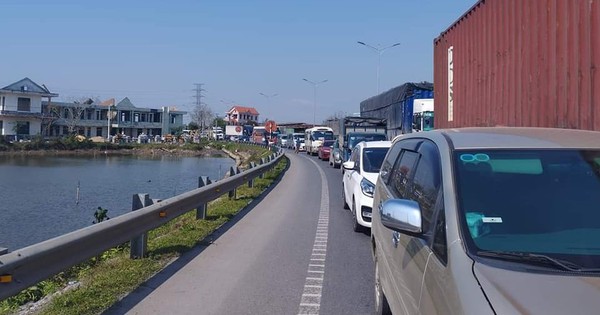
(21, 114)
(240, 115)
(24, 113)
(95, 120)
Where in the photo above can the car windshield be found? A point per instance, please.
(354, 139)
(325, 135)
(373, 158)
(531, 201)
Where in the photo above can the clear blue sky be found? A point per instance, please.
(154, 51)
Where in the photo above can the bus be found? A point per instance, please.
(313, 138)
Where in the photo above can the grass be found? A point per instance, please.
(103, 280)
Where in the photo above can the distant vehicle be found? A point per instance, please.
(217, 133)
(302, 145)
(358, 181)
(295, 136)
(315, 136)
(282, 140)
(233, 132)
(354, 129)
(488, 221)
(354, 138)
(335, 156)
(259, 134)
(325, 149)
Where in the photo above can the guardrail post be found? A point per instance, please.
(3, 251)
(201, 209)
(262, 161)
(251, 182)
(139, 244)
(233, 193)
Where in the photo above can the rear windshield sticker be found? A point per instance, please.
(478, 157)
(491, 220)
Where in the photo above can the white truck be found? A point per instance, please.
(217, 133)
(233, 132)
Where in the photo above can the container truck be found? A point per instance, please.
(520, 63)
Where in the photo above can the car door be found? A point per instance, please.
(347, 176)
(396, 181)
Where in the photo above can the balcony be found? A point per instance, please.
(18, 114)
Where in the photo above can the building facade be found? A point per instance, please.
(240, 115)
(23, 114)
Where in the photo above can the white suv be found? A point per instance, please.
(358, 182)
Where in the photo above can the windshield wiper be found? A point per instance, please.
(536, 258)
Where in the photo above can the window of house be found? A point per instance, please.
(1, 127)
(22, 127)
(24, 104)
(3, 102)
(136, 117)
(98, 131)
(99, 115)
(173, 119)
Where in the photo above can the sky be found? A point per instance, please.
(154, 52)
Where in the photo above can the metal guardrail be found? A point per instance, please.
(30, 265)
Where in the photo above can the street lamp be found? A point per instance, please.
(379, 51)
(315, 84)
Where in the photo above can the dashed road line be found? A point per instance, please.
(310, 302)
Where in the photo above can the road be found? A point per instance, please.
(293, 252)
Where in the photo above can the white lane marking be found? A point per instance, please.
(310, 303)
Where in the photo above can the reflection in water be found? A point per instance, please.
(38, 195)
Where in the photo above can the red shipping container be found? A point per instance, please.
(520, 63)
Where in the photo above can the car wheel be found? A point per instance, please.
(344, 198)
(355, 226)
(381, 304)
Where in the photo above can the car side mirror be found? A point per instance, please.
(349, 165)
(401, 215)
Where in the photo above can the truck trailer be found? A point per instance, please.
(520, 63)
(397, 106)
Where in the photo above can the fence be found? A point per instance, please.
(27, 266)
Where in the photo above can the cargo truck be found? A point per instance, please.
(407, 108)
(355, 129)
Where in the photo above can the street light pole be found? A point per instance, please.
(315, 84)
(379, 51)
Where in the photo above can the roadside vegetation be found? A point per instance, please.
(93, 286)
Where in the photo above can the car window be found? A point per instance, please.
(354, 155)
(427, 181)
(392, 157)
(401, 178)
(372, 159)
(439, 246)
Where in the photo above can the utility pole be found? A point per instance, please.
(199, 102)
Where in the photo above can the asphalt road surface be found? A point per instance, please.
(292, 252)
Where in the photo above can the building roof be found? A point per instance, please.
(108, 102)
(27, 86)
(242, 109)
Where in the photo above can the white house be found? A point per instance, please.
(21, 108)
(240, 115)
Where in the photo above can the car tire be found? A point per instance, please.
(382, 306)
(355, 226)
(344, 198)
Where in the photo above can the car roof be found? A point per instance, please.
(516, 137)
(375, 144)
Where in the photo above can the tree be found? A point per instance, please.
(193, 126)
(202, 115)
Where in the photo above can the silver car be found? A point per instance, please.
(489, 221)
